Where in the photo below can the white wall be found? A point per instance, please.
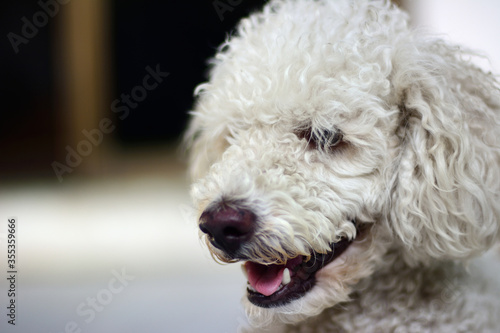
(474, 24)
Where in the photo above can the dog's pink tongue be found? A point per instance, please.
(265, 279)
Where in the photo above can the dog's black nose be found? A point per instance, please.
(228, 228)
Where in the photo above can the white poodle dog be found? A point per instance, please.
(353, 166)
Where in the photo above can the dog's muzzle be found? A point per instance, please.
(229, 228)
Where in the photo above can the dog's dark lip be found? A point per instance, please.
(303, 278)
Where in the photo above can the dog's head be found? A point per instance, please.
(329, 133)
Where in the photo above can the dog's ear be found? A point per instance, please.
(445, 200)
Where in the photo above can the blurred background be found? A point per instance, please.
(94, 99)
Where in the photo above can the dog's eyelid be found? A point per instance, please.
(321, 139)
(333, 138)
(329, 139)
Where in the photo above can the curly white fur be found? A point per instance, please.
(420, 168)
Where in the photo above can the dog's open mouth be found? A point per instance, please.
(276, 285)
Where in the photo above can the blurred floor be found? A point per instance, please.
(75, 237)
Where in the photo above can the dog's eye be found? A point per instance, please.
(325, 140)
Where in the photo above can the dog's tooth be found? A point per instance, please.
(244, 270)
(286, 277)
